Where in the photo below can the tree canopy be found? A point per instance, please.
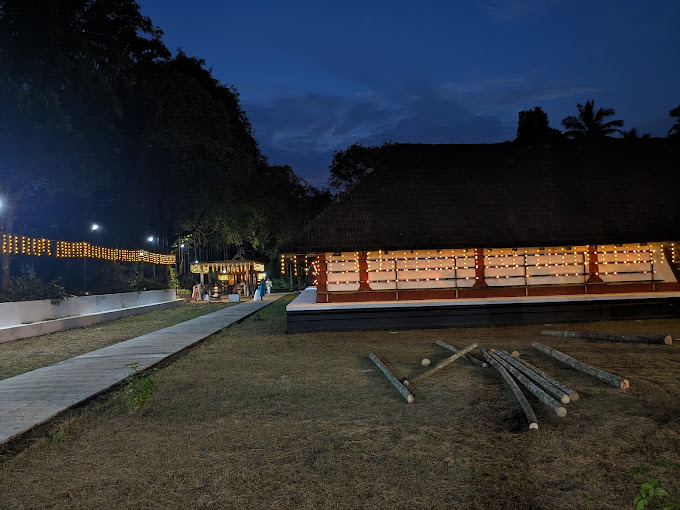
(590, 124)
(349, 165)
(675, 113)
(533, 127)
(99, 122)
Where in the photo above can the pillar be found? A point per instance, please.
(480, 279)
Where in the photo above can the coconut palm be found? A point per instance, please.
(675, 112)
(590, 123)
(633, 134)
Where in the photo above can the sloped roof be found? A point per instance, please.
(505, 195)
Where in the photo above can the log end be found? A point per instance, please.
(410, 399)
(565, 399)
(668, 340)
(515, 354)
(561, 412)
(573, 396)
(533, 426)
(624, 384)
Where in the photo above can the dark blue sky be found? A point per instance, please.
(316, 76)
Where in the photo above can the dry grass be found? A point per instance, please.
(253, 418)
(30, 353)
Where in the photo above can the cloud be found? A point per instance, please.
(504, 11)
(304, 130)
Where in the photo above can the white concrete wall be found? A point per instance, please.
(27, 312)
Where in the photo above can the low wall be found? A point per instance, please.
(31, 318)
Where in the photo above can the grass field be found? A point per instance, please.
(30, 353)
(253, 418)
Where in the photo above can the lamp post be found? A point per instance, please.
(92, 229)
(153, 240)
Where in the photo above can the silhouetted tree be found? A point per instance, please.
(349, 165)
(590, 124)
(675, 130)
(633, 135)
(533, 127)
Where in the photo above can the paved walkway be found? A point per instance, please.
(32, 398)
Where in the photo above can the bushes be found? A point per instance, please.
(29, 288)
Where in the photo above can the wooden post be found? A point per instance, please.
(441, 364)
(538, 392)
(395, 382)
(526, 407)
(614, 380)
(593, 266)
(614, 337)
(573, 396)
(363, 271)
(471, 359)
(480, 279)
(537, 378)
(322, 276)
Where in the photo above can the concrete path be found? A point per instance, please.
(32, 398)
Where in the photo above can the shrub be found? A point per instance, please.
(30, 288)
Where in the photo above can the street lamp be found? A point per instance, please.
(92, 229)
(153, 239)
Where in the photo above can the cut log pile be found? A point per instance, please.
(516, 372)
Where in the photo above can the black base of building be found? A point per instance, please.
(493, 314)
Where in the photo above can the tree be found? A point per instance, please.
(349, 165)
(590, 124)
(675, 130)
(533, 127)
(58, 100)
(633, 135)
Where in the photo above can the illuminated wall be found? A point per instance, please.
(524, 267)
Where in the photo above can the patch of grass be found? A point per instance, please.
(28, 354)
(254, 418)
(138, 386)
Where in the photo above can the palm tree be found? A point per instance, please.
(675, 112)
(590, 124)
(633, 134)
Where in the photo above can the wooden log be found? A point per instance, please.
(395, 382)
(471, 359)
(613, 337)
(523, 402)
(614, 380)
(538, 392)
(441, 364)
(536, 377)
(572, 394)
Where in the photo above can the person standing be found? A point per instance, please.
(269, 286)
(194, 293)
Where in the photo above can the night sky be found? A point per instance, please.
(317, 76)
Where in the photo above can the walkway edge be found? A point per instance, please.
(33, 398)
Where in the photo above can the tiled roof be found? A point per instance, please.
(505, 195)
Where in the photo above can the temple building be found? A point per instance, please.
(529, 225)
(238, 275)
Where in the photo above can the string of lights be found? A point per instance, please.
(634, 260)
(22, 245)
